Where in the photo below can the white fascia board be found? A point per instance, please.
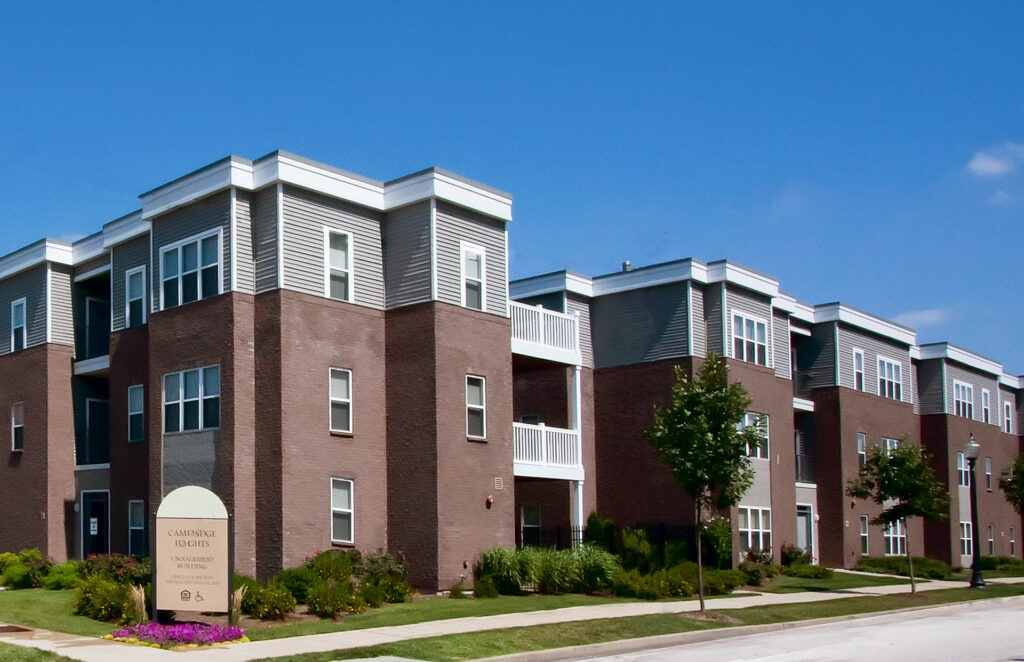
(944, 350)
(737, 275)
(433, 184)
(35, 254)
(1012, 381)
(803, 404)
(796, 309)
(915, 352)
(321, 180)
(88, 248)
(799, 330)
(560, 281)
(671, 272)
(229, 172)
(837, 312)
(123, 229)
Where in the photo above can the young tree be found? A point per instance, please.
(1012, 483)
(697, 437)
(902, 481)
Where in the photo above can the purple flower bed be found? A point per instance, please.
(171, 636)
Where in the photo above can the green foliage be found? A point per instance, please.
(296, 581)
(1011, 482)
(793, 555)
(7, 559)
(1003, 563)
(457, 592)
(596, 567)
(332, 565)
(275, 603)
(558, 572)
(356, 558)
(16, 576)
(755, 572)
(808, 571)
(653, 586)
(637, 551)
(385, 574)
(26, 569)
(119, 568)
(902, 481)
(327, 599)
(898, 565)
(718, 534)
(599, 532)
(64, 576)
(103, 599)
(484, 587)
(253, 589)
(528, 559)
(503, 567)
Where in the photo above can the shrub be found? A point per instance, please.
(372, 594)
(897, 565)
(356, 558)
(275, 603)
(637, 551)
(296, 581)
(63, 576)
(793, 555)
(16, 576)
(456, 591)
(103, 599)
(332, 565)
(599, 532)
(717, 534)
(6, 559)
(26, 569)
(596, 567)
(326, 599)
(676, 583)
(809, 571)
(484, 588)
(387, 574)
(528, 559)
(755, 572)
(502, 566)
(675, 553)
(558, 572)
(253, 589)
(1004, 563)
(120, 568)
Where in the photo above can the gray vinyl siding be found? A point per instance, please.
(245, 277)
(817, 356)
(30, 284)
(978, 381)
(713, 318)
(746, 303)
(873, 347)
(580, 305)
(914, 382)
(126, 256)
(94, 263)
(699, 335)
(305, 215)
(62, 324)
(639, 325)
(780, 342)
(929, 386)
(551, 301)
(264, 236)
(212, 212)
(455, 225)
(407, 255)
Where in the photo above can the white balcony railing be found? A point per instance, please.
(545, 333)
(547, 452)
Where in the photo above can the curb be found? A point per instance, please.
(669, 640)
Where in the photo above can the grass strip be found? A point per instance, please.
(13, 653)
(50, 610)
(838, 582)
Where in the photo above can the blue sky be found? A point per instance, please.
(868, 153)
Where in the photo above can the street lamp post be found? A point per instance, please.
(971, 452)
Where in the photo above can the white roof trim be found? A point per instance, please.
(87, 248)
(1011, 380)
(46, 250)
(123, 229)
(944, 350)
(837, 312)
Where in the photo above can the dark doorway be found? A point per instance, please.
(95, 523)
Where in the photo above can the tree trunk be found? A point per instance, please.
(700, 556)
(910, 559)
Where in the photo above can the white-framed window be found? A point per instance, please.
(341, 400)
(986, 405)
(988, 474)
(192, 400)
(895, 537)
(18, 324)
(759, 421)
(963, 399)
(755, 529)
(963, 470)
(889, 444)
(991, 540)
(136, 413)
(1007, 418)
(749, 339)
(474, 276)
(890, 379)
(966, 539)
(530, 526)
(1013, 542)
(190, 270)
(862, 451)
(135, 297)
(342, 506)
(858, 369)
(18, 426)
(476, 407)
(136, 528)
(864, 522)
(338, 265)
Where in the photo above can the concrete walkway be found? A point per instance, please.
(88, 649)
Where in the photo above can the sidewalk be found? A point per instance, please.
(88, 649)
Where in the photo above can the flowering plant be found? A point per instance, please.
(177, 636)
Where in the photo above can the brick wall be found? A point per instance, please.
(129, 478)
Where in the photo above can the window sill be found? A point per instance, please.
(181, 432)
(17, 450)
(479, 440)
(339, 543)
(342, 433)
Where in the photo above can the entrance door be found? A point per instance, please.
(804, 529)
(97, 328)
(95, 525)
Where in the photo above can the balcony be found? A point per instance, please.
(545, 334)
(546, 452)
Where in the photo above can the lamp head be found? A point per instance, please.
(972, 449)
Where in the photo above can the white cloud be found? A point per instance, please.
(1000, 198)
(997, 160)
(916, 319)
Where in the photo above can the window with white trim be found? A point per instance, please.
(858, 369)
(341, 400)
(864, 535)
(473, 277)
(986, 406)
(476, 407)
(991, 540)
(755, 529)
(136, 413)
(963, 399)
(134, 297)
(192, 400)
(895, 537)
(18, 426)
(18, 325)
(338, 267)
(862, 451)
(760, 422)
(966, 539)
(190, 270)
(749, 339)
(136, 528)
(1007, 418)
(988, 474)
(963, 470)
(890, 380)
(342, 499)
(889, 444)
(1013, 543)
(530, 526)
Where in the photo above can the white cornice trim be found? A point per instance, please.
(560, 281)
(944, 350)
(123, 229)
(45, 250)
(837, 312)
(87, 248)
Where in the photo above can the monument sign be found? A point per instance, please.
(192, 552)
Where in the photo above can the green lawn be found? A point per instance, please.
(965, 574)
(12, 653)
(839, 581)
(51, 610)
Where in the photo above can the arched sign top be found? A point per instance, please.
(192, 502)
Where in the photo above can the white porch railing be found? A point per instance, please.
(545, 333)
(543, 451)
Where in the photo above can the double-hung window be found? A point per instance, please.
(864, 535)
(18, 325)
(476, 407)
(341, 400)
(136, 528)
(18, 426)
(473, 276)
(190, 270)
(988, 474)
(895, 537)
(991, 540)
(749, 339)
(858, 369)
(966, 539)
(862, 451)
(986, 406)
(341, 510)
(134, 297)
(889, 444)
(136, 413)
(192, 400)
(755, 529)
(963, 470)
(338, 249)
(760, 422)
(963, 399)
(1007, 418)
(1013, 542)
(890, 381)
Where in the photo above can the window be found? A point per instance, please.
(889, 444)
(338, 246)
(18, 325)
(895, 537)
(1013, 543)
(136, 528)
(134, 297)
(190, 271)
(1007, 418)
(759, 421)
(963, 399)
(341, 400)
(473, 270)
(529, 525)
(862, 451)
(755, 529)
(749, 340)
(986, 408)
(991, 541)
(476, 407)
(864, 535)
(890, 382)
(858, 369)
(136, 418)
(966, 539)
(341, 510)
(18, 426)
(963, 470)
(988, 474)
(192, 400)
